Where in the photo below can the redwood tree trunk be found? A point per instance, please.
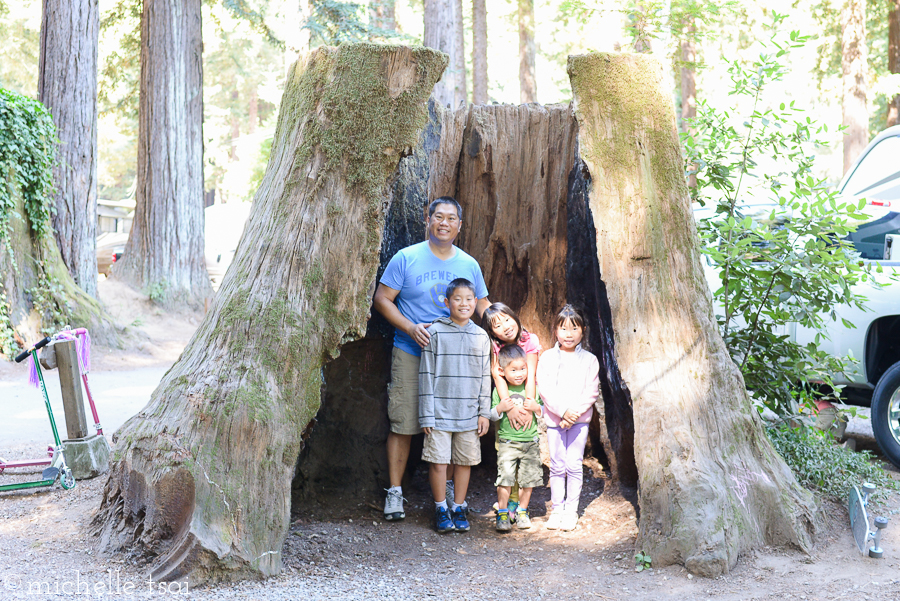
(711, 485)
(201, 481)
(444, 32)
(893, 116)
(35, 264)
(479, 53)
(382, 14)
(67, 86)
(527, 81)
(853, 66)
(164, 253)
(689, 81)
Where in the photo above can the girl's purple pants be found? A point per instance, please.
(566, 455)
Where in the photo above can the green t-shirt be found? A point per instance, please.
(505, 430)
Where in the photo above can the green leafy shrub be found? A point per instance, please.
(821, 465)
(789, 262)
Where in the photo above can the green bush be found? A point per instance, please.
(823, 466)
(787, 264)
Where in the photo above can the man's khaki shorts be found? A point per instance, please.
(403, 393)
(458, 448)
(523, 458)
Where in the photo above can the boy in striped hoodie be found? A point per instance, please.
(454, 401)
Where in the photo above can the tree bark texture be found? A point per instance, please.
(201, 485)
(854, 66)
(893, 115)
(67, 86)
(444, 32)
(527, 52)
(40, 291)
(164, 252)
(711, 485)
(479, 53)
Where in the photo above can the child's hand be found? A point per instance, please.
(531, 405)
(519, 418)
(483, 425)
(570, 416)
(427, 431)
(505, 405)
(564, 424)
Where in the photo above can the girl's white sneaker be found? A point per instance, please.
(554, 521)
(568, 521)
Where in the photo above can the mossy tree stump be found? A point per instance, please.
(200, 484)
(711, 485)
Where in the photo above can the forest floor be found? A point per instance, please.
(341, 548)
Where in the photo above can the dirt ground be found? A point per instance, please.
(343, 549)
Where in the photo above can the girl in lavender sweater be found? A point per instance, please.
(568, 378)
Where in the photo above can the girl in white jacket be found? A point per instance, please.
(568, 378)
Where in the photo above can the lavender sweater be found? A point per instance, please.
(568, 381)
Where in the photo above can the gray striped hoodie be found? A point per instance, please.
(455, 377)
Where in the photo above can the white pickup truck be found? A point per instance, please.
(875, 341)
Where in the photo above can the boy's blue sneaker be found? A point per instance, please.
(460, 523)
(442, 521)
(503, 524)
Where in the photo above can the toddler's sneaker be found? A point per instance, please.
(569, 521)
(442, 521)
(460, 522)
(523, 520)
(555, 520)
(393, 506)
(503, 523)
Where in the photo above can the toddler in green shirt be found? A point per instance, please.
(518, 450)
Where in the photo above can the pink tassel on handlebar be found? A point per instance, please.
(84, 348)
(32, 372)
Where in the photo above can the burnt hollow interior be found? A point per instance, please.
(526, 219)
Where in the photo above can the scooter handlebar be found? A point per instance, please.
(38, 346)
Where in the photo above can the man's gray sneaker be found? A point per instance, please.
(393, 506)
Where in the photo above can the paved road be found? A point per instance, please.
(117, 394)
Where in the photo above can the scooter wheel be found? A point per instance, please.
(68, 480)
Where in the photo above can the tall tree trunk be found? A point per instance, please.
(67, 86)
(853, 66)
(527, 80)
(893, 116)
(688, 81)
(37, 293)
(382, 14)
(479, 53)
(201, 483)
(444, 32)
(640, 29)
(711, 485)
(164, 252)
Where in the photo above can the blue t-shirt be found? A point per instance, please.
(422, 280)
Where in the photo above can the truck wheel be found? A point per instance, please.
(886, 413)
